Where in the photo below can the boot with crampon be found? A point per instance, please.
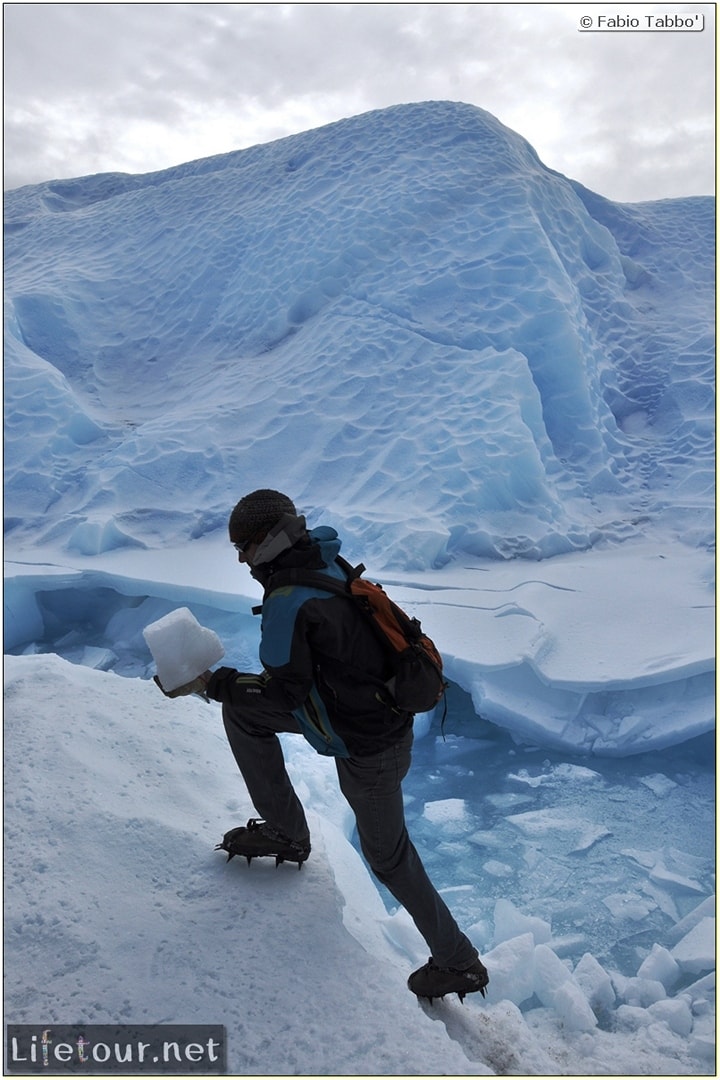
(431, 981)
(258, 839)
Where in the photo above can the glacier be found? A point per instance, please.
(499, 387)
(474, 354)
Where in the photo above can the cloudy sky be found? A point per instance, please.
(139, 87)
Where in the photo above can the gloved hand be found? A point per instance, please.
(197, 686)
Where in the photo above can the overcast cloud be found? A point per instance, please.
(139, 87)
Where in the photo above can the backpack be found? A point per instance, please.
(417, 683)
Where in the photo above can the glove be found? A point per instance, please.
(197, 686)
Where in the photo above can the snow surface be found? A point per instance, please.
(498, 386)
(118, 910)
(405, 316)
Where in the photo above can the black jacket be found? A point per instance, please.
(321, 660)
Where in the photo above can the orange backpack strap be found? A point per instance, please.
(418, 683)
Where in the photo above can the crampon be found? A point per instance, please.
(431, 981)
(257, 839)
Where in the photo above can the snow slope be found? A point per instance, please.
(119, 911)
(498, 386)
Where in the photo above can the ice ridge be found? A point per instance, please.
(404, 317)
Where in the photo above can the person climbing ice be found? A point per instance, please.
(324, 676)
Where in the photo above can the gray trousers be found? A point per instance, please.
(372, 787)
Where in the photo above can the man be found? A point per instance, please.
(324, 676)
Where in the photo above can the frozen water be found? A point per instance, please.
(578, 835)
(182, 649)
(498, 386)
(446, 810)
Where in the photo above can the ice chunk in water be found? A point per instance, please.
(445, 811)
(675, 1013)
(557, 989)
(660, 965)
(511, 968)
(595, 983)
(695, 953)
(510, 923)
(181, 648)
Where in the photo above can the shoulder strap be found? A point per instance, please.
(351, 572)
(313, 579)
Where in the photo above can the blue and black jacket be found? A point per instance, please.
(321, 661)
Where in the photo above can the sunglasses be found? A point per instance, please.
(242, 548)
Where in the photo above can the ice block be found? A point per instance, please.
(181, 648)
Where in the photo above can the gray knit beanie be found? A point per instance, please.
(256, 514)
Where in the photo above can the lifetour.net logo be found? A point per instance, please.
(106, 1049)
